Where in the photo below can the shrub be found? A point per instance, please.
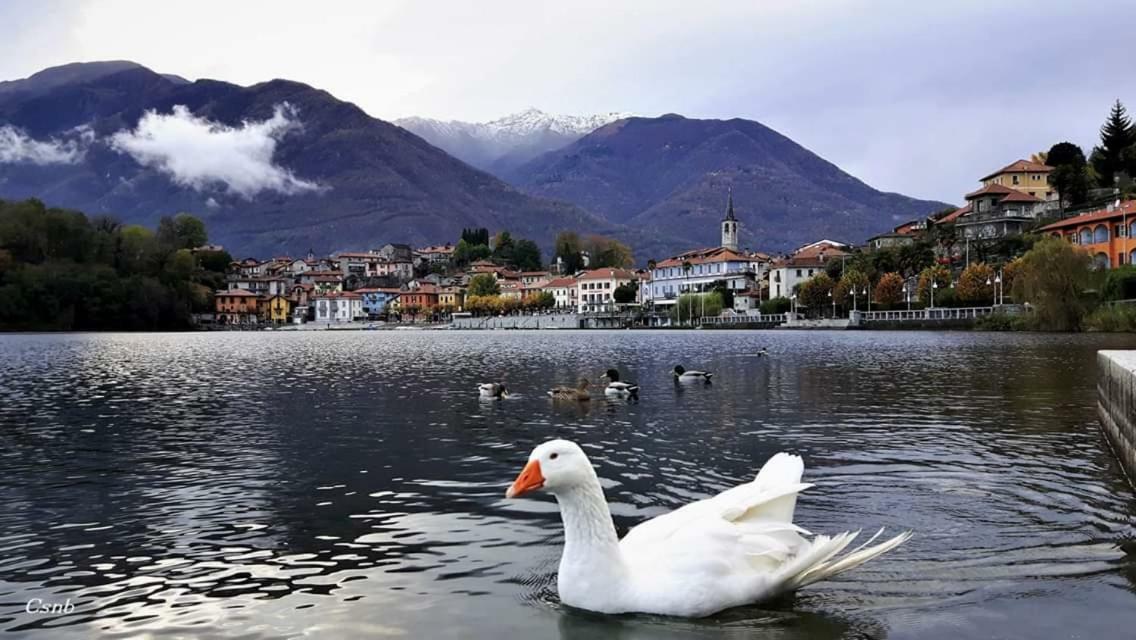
(1117, 317)
(776, 305)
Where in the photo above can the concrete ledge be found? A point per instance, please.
(1116, 405)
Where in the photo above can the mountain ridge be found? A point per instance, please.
(674, 172)
(377, 182)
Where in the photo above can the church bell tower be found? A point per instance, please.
(730, 225)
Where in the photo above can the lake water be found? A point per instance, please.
(350, 484)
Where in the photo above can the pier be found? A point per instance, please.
(1116, 405)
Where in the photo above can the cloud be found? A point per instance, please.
(17, 147)
(203, 155)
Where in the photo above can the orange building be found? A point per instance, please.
(423, 297)
(236, 306)
(1105, 233)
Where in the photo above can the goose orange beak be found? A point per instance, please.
(530, 479)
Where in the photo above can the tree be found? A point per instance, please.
(503, 248)
(1116, 134)
(484, 284)
(568, 251)
(936, 274)
(215, 261)
(915, 257)
(465, 253)
(854, 280)
(607, 252)
(813, 293)
(476, 236)
(626, 293)
(526, 255)
(182, 231)
(976, 284)
(1069, 176)
(697, 305)
(1053, 278)
(889, 290)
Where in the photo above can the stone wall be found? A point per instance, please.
(1116, 404)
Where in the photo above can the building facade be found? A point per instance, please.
(337, 306)
(789, 272)
(563, 291)
(1106, 233)
(236, 306)
(375, 300)
(595, 289)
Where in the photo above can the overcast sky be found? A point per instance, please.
(916, 97)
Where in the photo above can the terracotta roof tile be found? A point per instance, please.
(1127, 209)
(1020, 166)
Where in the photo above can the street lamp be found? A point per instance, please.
(990, 283)
(868, 296)
(934, 285)
(833, 298)
(1000, 292)
(907, 296)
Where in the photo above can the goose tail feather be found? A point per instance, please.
(819, 562)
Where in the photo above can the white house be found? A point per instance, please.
(792, 270)
(563, 290)
(595, 289)
(337, 306)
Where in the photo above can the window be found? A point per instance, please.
(798, 273)
(1014, 179)
(1085, 236)
(1100, 233)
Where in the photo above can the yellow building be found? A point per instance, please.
(276, 310)
(1027, 177)
(451, 297)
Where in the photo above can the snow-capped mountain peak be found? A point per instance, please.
(509, 140)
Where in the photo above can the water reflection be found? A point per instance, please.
(264, 485)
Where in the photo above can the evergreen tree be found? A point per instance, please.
(1117, 134)
(1070, 175)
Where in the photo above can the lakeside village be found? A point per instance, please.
(957, 264)
(1044, 243)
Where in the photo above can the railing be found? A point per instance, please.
(933, 313)
(765, 318)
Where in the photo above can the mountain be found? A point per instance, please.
(674, 173)
(501, 145)
(277, 167)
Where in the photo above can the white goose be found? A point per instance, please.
(737, 548)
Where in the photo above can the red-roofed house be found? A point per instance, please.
(790, 271)
(595, 288)
(564, 291)
(1105, 233)
(1028, 177)
(1009, 201)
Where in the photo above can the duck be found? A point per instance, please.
(579, 393)
(617, 388)
(737, 548)
(493, 390)
(682, 375)
(762, 352)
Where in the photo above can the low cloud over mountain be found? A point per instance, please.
(17, 146)
(201, 154)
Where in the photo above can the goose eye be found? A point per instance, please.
(553, 456)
